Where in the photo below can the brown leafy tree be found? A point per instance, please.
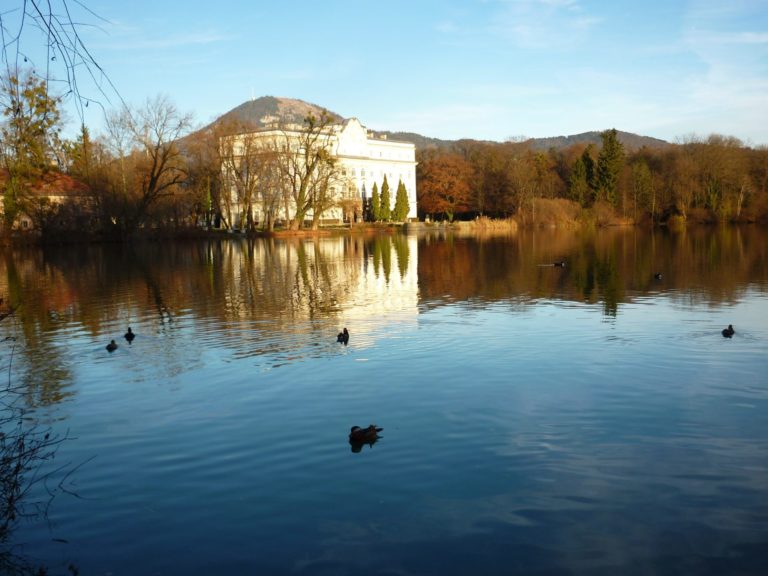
(444, 184)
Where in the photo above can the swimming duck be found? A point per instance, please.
(343, 336)
(657, 276)
(559, 264)
(359, 435)
(130, 335)
(728, 332)
(112, 346)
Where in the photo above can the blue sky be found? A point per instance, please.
(485, 69)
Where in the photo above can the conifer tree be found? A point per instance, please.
(589, 174)
(401, 203)
(385, 210)
(578, 188)
(609, 165)
(375, 204)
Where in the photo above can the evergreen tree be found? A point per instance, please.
(79, 155)
(375, 204)
(401, 203)
(642, 189)
(589, 174)
(609, 165)
(385, 210)
(578, 189)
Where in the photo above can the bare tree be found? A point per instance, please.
(350, 202)
(151, 163)
(26, 453)
(270, 190)
(46, 36)
(326, 187)
(202, 150)
(307, 168)
(242, 166)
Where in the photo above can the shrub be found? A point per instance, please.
(556, 212)
(485, 224)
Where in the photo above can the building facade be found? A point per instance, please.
(361, 160)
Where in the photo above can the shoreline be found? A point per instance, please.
(480, 226)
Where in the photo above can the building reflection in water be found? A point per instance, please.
(280, 300)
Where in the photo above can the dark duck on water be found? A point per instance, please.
(728, 332)
(343, 336)
(359, 435)
(130, 335)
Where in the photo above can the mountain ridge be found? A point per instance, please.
(265, 110)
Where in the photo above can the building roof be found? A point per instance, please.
(53, 183)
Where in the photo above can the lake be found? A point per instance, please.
(585, 419)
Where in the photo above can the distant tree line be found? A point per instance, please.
(713, 179)
(148, 173)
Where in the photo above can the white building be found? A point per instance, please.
(362, 160)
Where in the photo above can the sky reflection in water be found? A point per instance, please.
(586, 420)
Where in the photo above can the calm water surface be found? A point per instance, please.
(537, 420)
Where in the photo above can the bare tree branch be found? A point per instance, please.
(54, 26)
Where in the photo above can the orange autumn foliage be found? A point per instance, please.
(444, 184)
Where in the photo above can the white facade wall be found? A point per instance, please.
(363, 160)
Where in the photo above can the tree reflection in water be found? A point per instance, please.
(277, 296)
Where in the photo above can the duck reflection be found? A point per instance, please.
(358, 437)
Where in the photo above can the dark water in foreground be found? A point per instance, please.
(537, 420)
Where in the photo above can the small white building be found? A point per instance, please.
(362, 160)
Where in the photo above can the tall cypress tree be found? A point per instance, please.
(609, 165)
(401, 203)
(375, 204)
(385, 210)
